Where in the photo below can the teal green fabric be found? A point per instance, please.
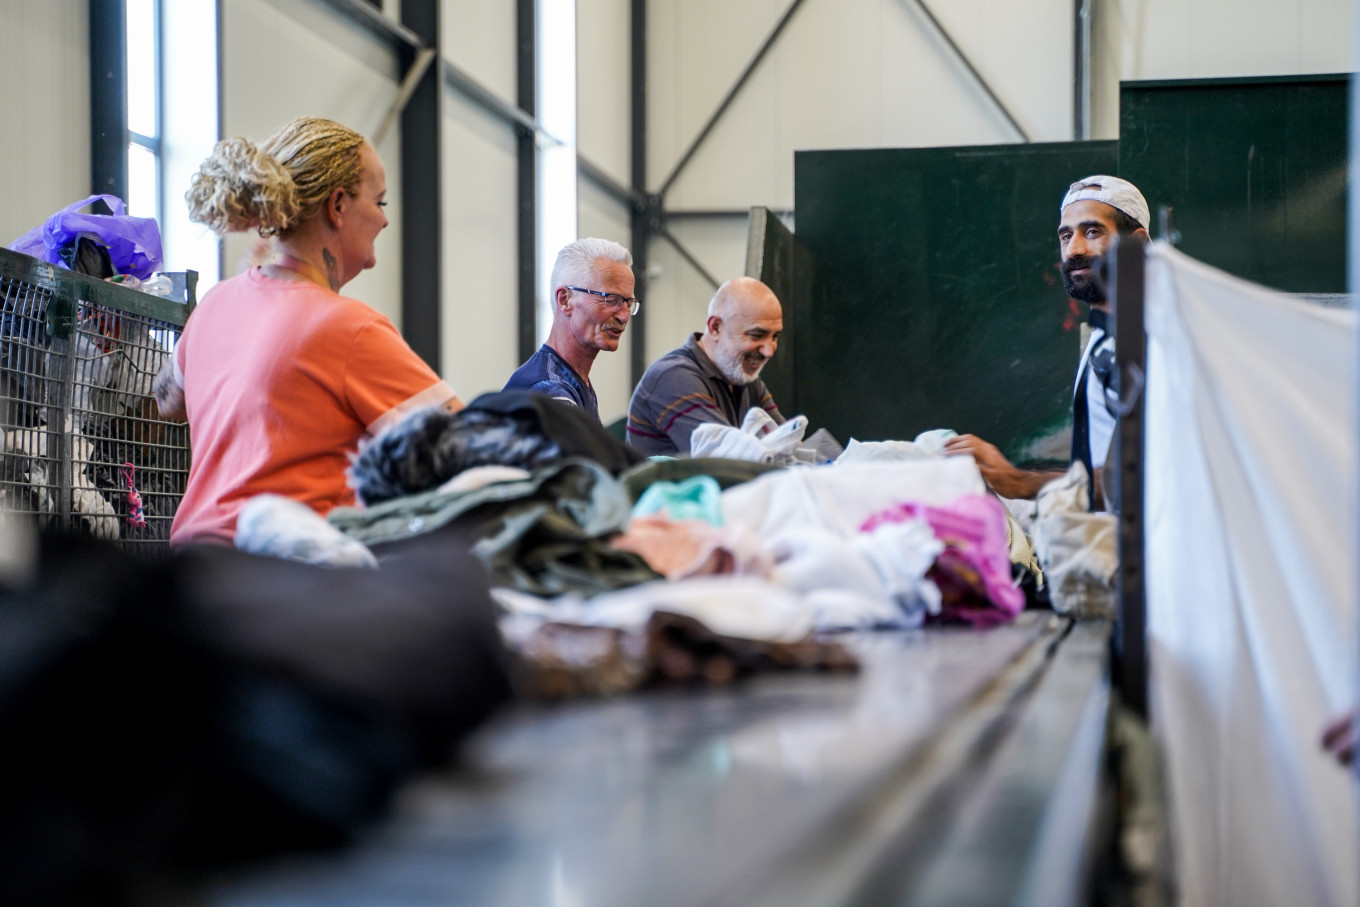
(696, 498)
(593, 498)
(546, 535)
(725, 472)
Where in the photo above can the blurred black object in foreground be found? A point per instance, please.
(161, 719)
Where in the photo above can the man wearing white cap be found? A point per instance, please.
(1092, 213)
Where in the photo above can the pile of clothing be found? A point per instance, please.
(612, 572)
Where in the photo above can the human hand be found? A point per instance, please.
(987, 456)
(1339, 738)
(1003, 476)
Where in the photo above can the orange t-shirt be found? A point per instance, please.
(282, 379)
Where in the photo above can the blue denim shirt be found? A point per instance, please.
(546, 372)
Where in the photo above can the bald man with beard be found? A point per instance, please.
(714, 377)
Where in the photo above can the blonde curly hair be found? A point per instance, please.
(273, 188)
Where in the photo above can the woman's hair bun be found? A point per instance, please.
(240, 187)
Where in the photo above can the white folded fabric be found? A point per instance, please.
(1077, 549)
(276, 526)
(871, 579)
(841, 497)
(743, 607)
(759, 439)
(713, 440)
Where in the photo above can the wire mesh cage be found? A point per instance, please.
(82, 444)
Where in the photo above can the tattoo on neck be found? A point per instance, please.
(332, 275)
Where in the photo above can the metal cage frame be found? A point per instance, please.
(82, 444)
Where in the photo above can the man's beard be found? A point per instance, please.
(1088, 290)
(730, 366)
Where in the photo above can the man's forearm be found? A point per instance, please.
(1019, 484)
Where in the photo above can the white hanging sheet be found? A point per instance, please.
(1251, 540)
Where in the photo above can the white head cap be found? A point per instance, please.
(1114, 192)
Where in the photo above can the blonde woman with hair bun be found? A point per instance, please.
(279, 375)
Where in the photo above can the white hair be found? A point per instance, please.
(575, 264)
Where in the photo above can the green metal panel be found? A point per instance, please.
(776, 257)
(67, 287)
(1254, 170)
(936, 301)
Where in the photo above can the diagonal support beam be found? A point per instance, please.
(731, 96)
(685, 254)
(963, 58)
(396, 35)
(610, 186)
(424, 57)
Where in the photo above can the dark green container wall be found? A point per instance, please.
(1254, 170)
(935, 300)
(774, 255)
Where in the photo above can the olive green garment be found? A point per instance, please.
(546, 535)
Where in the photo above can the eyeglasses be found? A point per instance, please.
(614, 300)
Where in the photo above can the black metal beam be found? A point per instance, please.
(729, 98)
(1130, 636)
(1081, 71)
(526, 176)
(963, 58)
(108, 97)
(421, 190)
(641, 214)
(396, 36)
(401, 39)
(467, 86)
(524, 119)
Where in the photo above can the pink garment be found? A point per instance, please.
(974, 570)
(682, 548)
(281, 381)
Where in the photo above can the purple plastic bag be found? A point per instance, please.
(134, 243)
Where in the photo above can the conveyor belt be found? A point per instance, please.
(935, 776)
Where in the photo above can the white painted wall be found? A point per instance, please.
(611, 375)
(44, 111)
(843, 74)
(875, 73)
(481, 258)
(480, 293)
(603, 87)
(322, 64)
(603, 118)
(319, 64)
(479, 37)
(1200, 39)
(846, 73)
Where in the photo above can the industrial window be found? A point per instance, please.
(557, 199)
(143, 108)
(172, 88)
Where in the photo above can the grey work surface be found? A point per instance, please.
(791, 788)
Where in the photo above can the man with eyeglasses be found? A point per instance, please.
(592, 296)
(715, 376)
